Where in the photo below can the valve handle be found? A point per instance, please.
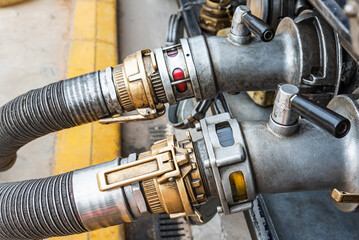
(258, 27)
(328, 120)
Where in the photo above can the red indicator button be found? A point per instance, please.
(178, 75)
(172, 53)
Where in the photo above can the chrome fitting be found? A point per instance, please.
(239, 33)
(138, 87)
(283, 120)
(109, 91)
(228, 167)
(99, 209)
(186, 70)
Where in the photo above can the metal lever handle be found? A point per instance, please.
(332, 122)
(258, 27)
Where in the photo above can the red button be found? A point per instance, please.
(178, 74)
(172, 53)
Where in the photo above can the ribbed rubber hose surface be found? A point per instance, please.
(38, 209)
(52, 108)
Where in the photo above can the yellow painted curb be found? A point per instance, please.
(5, 3)
(93, 47)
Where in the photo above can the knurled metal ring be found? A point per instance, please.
(120, 84)
(152, 196)
(158, 87)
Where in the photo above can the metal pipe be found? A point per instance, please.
(246, 67)
(224, 64)
(309, 160)
(100, 209)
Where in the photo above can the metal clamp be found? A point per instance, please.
(161, 165)
(169, 176)
(144, 114)
(136, 85)
(227, 159)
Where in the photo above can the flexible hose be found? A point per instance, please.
(52, 108)
(37, 209)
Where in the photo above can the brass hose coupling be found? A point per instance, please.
(138, 87)
(215, 15)
(168, 174)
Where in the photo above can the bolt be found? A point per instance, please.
(350, 10)
(207, 165)
(171, 179)
(220, 209)
(198, 127)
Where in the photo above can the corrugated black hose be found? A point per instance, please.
(37, 209)
(60, 105)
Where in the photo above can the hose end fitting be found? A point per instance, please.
(168, 174)
(138, 87)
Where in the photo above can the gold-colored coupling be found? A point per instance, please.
(345, 197)
(215, 15)
(139, 87)
(169, 175)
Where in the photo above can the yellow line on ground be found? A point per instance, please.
(93, 47)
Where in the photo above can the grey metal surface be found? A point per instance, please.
(297, 55)
(109, 91)
(223, 161)
(239, 33)
(84, 97)
(309, 160)
(310, 215)
(191, 69)
(282, 112)
(133, 193)
(99, 209)
(273, 11)
(296, 215)
(288, 58)
(284, 120)
(166, 81)
(203, 65)
(332, 11)
(247, 110)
